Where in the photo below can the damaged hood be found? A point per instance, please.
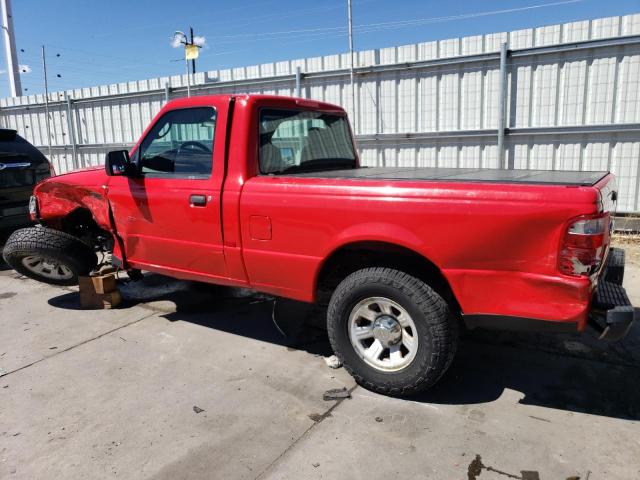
(86, 177)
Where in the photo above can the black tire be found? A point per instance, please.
(51, 244)
(437, 330)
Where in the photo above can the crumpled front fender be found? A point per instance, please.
(59, 196)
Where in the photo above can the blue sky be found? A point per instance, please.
(99, 42)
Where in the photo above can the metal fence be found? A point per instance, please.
(561, 97)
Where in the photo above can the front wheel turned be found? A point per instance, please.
(393, 332)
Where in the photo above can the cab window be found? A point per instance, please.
(180, 144)
(297, 141)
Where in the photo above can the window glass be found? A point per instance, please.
(181, 143)
(294, 141)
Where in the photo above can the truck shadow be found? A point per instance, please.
(575, 382)
(572, 373)
(586, 381)
(483, 369)
(232, 310)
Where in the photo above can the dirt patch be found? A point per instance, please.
(631, 245)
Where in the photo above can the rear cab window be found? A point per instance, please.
(300, 140)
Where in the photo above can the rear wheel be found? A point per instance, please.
(392, 331)
(48, 255)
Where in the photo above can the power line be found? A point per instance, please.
(244, 22)
(387, 25)
(464, 16)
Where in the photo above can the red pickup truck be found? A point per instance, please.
(267, 192)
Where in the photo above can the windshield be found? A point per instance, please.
(295, 141)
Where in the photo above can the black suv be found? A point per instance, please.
(21, 166)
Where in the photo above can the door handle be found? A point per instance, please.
(198, 200)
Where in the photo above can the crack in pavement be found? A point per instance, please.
(6, 374)
(304, 434)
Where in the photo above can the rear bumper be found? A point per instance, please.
(611, 312)
(608, 310)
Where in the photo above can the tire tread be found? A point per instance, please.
(32, 240)
(443, 328)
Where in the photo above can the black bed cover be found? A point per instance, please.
(536, 177)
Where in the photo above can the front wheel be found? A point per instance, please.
(49, 255)
(393, 333)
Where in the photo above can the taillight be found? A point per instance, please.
(584, 245)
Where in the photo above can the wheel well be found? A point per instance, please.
(356, 256)
(79, 219)
(81, 224)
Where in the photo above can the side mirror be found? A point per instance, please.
(118, 163)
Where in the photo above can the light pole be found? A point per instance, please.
(190, 52)
(184, 41)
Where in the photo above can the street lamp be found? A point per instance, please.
(190, 53)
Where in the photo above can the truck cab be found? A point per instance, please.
(187, 173)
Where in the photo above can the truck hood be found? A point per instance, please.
(86, 177)
(87, 172)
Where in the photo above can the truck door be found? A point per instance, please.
(168, 215)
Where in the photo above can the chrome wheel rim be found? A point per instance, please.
(47, 267)
(383, 334)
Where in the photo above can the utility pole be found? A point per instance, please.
(193, 60)
(46, 101)
(13, 69)
(353, 86)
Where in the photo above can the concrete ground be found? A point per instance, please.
(188, 381)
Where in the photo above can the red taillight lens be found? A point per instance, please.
(584, 244)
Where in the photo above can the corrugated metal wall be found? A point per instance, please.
(572, 102)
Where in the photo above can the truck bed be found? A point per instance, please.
(535, 177)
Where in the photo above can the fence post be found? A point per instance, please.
(298, 82)
(72, 132)
(502, 114)
(166, 92)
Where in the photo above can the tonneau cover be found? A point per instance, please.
(536, 177)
